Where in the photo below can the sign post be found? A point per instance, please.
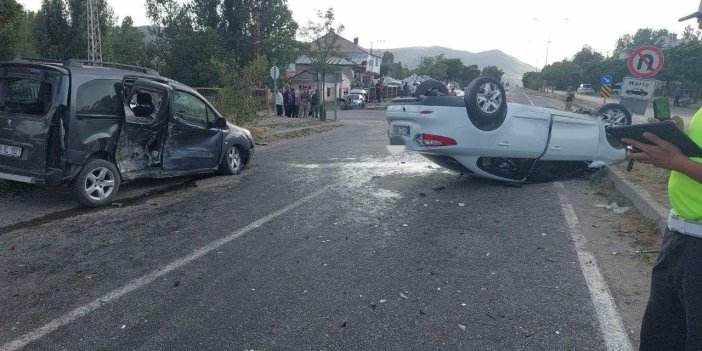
(275, 74)
(606, 89)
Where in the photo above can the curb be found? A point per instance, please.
(641, 199)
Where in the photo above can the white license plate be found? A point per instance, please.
(400, 130)
(11, 151)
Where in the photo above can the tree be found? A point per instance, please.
(453, 69)
(51, 30)
(493, 71)
(11, 16)
(532, 80)
(125, 44)
(387, 62)
(468, 74)
(587, 54)
(323, 46)
(644, 36)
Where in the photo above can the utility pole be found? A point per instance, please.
(94, 38)
(256, 11)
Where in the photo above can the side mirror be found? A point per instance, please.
(220, 123)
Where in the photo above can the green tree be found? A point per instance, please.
(468, 74)
(11, 18)
(644, 36)
(387, 63)
(77, 36)
(125, 44)
(453, 69)
(51, 30)
(532, 80)
(323, 46)
(493, 71)
(587, 54)
(26, 40)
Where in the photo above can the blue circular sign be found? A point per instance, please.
(606, 79)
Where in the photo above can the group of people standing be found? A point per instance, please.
(296, 103)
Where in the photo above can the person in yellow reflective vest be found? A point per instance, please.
(673, 317)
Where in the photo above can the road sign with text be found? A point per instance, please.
(646, 61)
(640, 89)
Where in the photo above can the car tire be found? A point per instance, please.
(430, 84)
(486, 103)
(96, 184)
(614, 115)
(233, 161)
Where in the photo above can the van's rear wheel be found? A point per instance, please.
(96, 184)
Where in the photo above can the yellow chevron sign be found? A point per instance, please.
(606, 91)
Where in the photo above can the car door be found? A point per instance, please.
(193, 142)
(139, 147)
(572, 139)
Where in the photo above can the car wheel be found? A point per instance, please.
(614, 115)
(96, 184)
(233, 161)
(486, 103)
(427, 87)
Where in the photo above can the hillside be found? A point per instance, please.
(514, 69)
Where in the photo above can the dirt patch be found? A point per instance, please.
(637, 230)
(652, 179)
(268, 129)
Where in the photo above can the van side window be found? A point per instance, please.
(190, 108)
(99, 98)
(25, 95)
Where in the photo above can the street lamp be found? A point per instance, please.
(548, 38)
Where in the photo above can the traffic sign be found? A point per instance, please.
(646, 61)
(605, 91)
(606, 79)
(275, 72)
(639, 89)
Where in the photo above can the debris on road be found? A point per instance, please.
(463, 327)
(383, 301)
(404, 296)
(439, 188)
(461, 204)
(422, 194)
(117, 204)
(614, 207)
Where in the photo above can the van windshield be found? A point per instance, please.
(25, 95)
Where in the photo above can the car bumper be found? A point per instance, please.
(49, 177)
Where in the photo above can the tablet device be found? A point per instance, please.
(665, 130)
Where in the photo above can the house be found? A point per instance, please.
(357, 67)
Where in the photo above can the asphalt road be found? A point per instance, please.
(325, 243)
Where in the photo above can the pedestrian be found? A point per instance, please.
(453, 92)
(569, 99)
(269, 97)
(673, 316)
(306, 102)
(405, 90)
(677, 94)
(279, 102)
(289, 101)
(315, 103)
(380, 90)
(298, 94)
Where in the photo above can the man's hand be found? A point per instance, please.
(663, 154)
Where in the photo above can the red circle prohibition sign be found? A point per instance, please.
(646, 61)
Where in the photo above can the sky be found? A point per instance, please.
(521, 28)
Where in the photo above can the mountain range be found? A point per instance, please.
(514, 69)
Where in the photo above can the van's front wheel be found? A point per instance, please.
(96, 184)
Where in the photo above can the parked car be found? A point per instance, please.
(639, 92)
(358, 101)
(617, 89)
(92, 125)
(585, 89)
(482, 134)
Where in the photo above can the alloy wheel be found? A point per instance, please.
(489, 98)
(100, 184)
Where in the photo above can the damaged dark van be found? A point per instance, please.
(93, 125)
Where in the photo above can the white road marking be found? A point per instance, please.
(611, 324)
(140, 282)
(527, 95)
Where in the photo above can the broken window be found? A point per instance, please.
(191, 109)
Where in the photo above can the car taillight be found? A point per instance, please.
(437, 140)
